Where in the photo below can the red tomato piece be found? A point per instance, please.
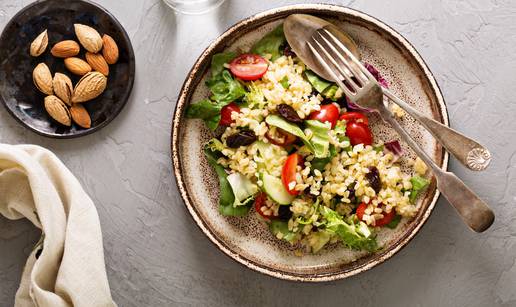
(387, 217)
(225, 114)
(248, 67)
(259, 202)
(280, 137)
(360, 210)
(328, 113)
(354, 116)
(289, 171)
(359, 133)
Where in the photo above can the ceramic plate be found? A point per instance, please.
(17, 91)
(247, 239)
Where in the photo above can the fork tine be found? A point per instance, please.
(337, 67)
(330, 71)
(356, 72)
(344, 49)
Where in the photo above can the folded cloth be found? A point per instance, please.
(67, 266)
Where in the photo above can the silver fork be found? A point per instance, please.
(361, 87)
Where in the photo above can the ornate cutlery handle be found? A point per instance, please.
(470, 153)
(474, 211)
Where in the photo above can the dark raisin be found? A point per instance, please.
(374, 179)
(241, 138)
(352, 196)
(284, 213)
(288, 113)
(289, 52)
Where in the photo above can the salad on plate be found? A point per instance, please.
(292, 149)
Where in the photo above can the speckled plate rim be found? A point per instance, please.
(196, 73)
(125, 98)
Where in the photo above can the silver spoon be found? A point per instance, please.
(299, 28)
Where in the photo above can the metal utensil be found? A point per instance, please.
(361, 87)
(299, 28)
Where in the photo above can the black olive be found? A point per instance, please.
(288, 113)
(374, 179)
(284, 213)
(289, 52)
(241, 138)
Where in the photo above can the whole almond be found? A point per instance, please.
(63, 87)
(39, 44)
(89, 87)
(88, 37)
(80, 115)
(65, 49)
(42, 78)
(77, 66)
(57, 110)
(97, 62)
(109, 49)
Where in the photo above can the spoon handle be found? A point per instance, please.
(475, 212)
(470, 153)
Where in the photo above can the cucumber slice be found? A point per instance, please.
(275, 189)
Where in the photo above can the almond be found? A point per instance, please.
(39, 44)
(97, 62)
(88, 37)
(57, 110)
(65, 49)
(109, 49)
(63, 87)
(89, 87)
(42, 78)
(80, 115)
(77, 66)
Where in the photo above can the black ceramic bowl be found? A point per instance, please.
(17, 90)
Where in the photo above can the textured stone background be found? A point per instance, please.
(156, 256)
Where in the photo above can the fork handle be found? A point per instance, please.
(473, 210)
(470, 153)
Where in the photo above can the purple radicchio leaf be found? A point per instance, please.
(395, 148)
(376, 74)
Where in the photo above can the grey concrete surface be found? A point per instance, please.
(156, 256)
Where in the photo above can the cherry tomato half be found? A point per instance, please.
(387, 217)
(288, 173)
(361, 210)
(259, 202)
(248, 67)
(359, 133)
(328, 113)
(280, 137)
(225, 113)
(354, 116)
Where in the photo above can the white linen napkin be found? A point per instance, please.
(67, 267)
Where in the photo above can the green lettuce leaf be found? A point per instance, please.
(418, 185)
(242, 187)
(320, 139)
(284, 82)
(218, 60)
(324, 87)
(224, 88)
(356, 235)
(207, 110)
(277, 226)
(227, 197)
(320, 163)
(271, 43)
(319, 143)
